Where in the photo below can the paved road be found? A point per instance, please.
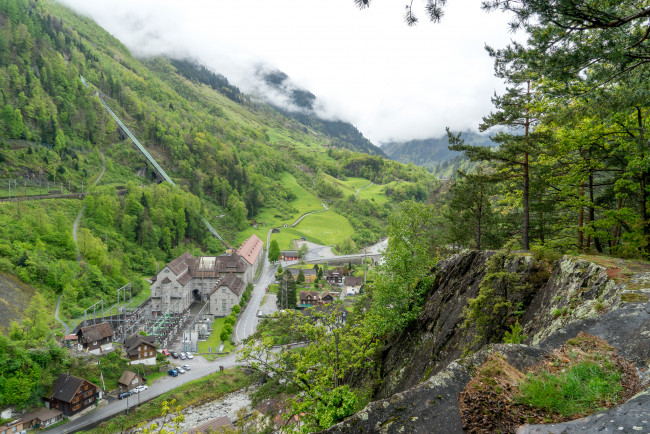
(165, 384)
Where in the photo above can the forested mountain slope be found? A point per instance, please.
(434, 153)
(235, 161)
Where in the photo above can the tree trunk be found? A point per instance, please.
(592, 211)
(581, 220)
(525, 200)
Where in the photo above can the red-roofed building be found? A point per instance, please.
(251, 250)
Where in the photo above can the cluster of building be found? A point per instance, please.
(219, 280)
(350, 285)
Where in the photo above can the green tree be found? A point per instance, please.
(301, 277)
(302, 251)
(405, 275)
(274, 251)
(322, 369)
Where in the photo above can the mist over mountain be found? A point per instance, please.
(432, 151)
(302, 105)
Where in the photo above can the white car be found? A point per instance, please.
(142, 388)
(134, 391)
(180, 370)
(186, 367)
(189, 355)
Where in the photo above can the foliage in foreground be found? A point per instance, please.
(320, 369)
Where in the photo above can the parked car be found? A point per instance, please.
(175, 354)
(260, 313)
(186, 367)
(182, 356)
(135, 390)
(173, 372)
(124, 395)
(180, 370)
(142, 388)
(189, 355)
(165, 351)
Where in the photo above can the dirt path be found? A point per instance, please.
(74, 237)
(359, 189)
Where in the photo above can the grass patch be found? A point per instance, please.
(584, 388)
(195, 392)
(214, 339)
(581, 377)
(634, 297)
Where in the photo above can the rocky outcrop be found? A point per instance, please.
(437, 338)
(422, 368)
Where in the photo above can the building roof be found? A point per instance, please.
(41, 414)
(182, 263)
(126, 378)
(289, 252)
(132, 343)
(212, 425)
(232, 282)
(251, 249)
(353, 281)
(95, 332)
(65, 387)
(305, 271)
(304, 294)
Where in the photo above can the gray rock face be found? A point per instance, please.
(436, 338)
(423, 373)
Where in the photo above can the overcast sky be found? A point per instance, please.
(366, 66)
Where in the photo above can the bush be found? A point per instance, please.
(230, 319)
(236, 308)
(224, 336)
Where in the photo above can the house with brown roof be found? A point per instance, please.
(129, 380)
(96, 338)
(334, 276)
(72, 394)
(353, 284)
(309, 299)
(309, 273)
(140, 349)
(225, 295)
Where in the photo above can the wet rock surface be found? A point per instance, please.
(423, 372)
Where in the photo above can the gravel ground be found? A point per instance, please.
(195, 416)
(14, 299)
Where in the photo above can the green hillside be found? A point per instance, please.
(238, 163)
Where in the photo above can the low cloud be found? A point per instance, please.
(393, 82)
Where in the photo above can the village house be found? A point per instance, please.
(289, 255)
(334, 277)
(38, 419)
(140, 350)
(353, 284)
(96, 338)
(225, 295)
(308, 299)
(187, 279)
(129, 380)
(310, 274)
(72, 394)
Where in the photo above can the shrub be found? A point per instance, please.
(515, 335)
(230, 319)
(236, 308)
(225, 335)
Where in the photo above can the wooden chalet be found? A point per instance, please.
(141, 349)
(96, 338)
(129, 380)
(72, 394)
